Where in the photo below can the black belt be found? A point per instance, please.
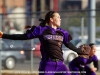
(55, 60)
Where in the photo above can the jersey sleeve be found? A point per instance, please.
(67, 38)
(67, 43)
(34, 32)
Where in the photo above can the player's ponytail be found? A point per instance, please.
(43, 22)
(26, 27)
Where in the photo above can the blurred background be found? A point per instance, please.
(16, 14)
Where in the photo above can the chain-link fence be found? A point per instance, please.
(20, 56)
(15, 23)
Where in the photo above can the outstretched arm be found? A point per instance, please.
(15, 36)
(18, 36)
(68, 44)
(72, 47)
(83, 49)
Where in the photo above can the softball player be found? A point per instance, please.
(80, 64)
(51, 37)
(92, 58)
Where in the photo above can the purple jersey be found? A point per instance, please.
(92, 59)
(80, 64)
(78, 61)
(51, 41)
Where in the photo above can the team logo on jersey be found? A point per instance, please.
(53, 37)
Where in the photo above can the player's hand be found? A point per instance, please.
(94, 69)
(1, 33)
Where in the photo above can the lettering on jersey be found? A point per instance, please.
(53, 37)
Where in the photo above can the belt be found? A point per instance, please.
(55, 60)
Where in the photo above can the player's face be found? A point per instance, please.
(93, 50)
(56, 20)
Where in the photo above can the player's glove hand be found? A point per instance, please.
(1, 34)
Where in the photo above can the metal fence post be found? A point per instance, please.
(82, 29)
(32, 55)
(32, 46)
(91, 21)
(0, 44)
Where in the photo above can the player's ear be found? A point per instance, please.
(51, 19)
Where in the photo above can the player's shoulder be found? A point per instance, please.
(63, 30)
(39, 27)
(95, 56)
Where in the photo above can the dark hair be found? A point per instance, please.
(28, 26)
(91, 44)
(44, 21)
(47, 18)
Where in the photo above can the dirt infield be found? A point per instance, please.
(26, 74)
(18, 74)
(98, 73)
